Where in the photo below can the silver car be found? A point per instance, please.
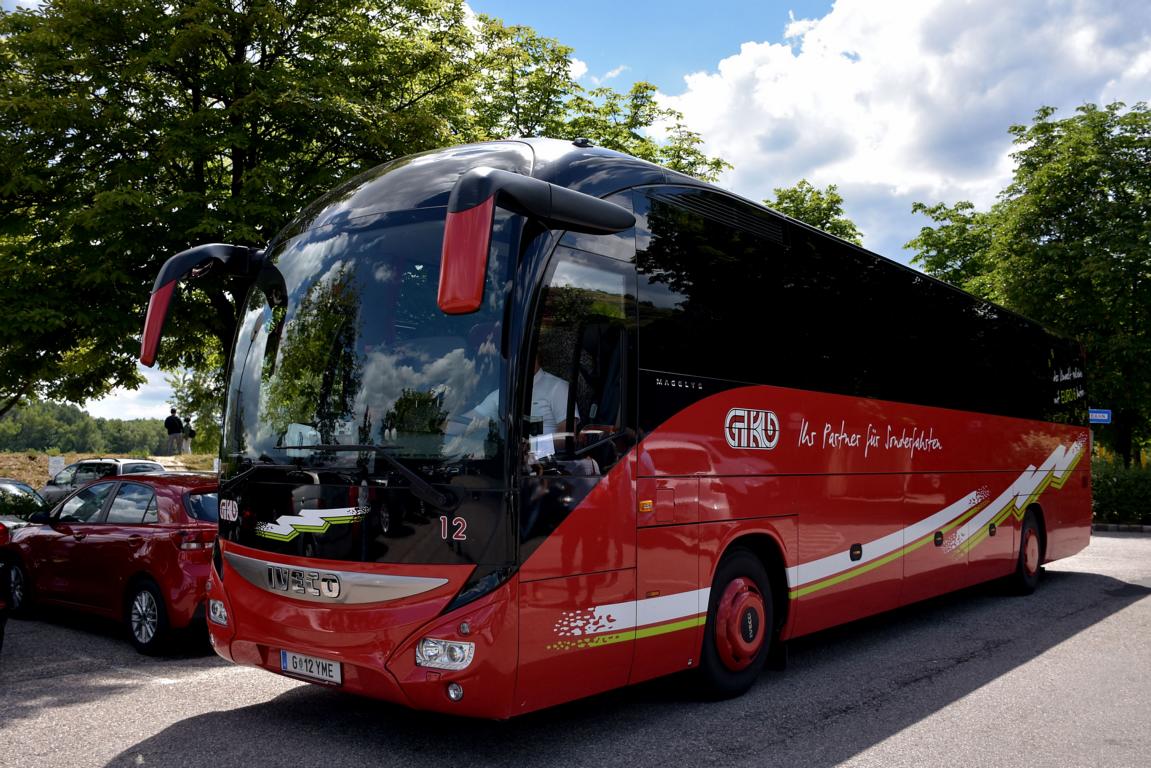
(85, 471)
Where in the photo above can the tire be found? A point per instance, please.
(738, 634)
(146, 618)
(1030, 557)
(19, 589)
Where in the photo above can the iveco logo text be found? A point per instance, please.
(751, 428)
(303, 582)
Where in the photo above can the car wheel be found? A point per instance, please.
(19, 590)
(737, 637)
(147, 618)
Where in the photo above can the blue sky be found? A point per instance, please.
(894, 101)
(659, 42)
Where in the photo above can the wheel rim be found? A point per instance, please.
(16, 589)
(739, 624)
(1031, 552)
(145, 615)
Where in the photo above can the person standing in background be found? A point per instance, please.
(189, 433)
(175, 429)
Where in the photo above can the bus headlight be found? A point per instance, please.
(444, 654)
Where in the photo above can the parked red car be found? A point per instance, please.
(135, 548)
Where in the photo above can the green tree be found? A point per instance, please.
(1069, 244)
(132, 129)
(822, 209)
(46, 426)
(958, 248)
(523, 83)
(623, 122)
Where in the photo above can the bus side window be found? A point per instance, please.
(576, 420)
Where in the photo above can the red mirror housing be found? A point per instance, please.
(154, 322)
(467, 238)
(234, 259)
(468, 228)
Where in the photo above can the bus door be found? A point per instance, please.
(670, 607)
(577, 489)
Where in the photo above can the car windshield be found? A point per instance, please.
(343, 345)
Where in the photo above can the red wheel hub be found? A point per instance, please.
(740, 617)
(1031, 552)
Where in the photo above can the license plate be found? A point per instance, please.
(310, 667)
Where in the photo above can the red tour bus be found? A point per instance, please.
(515, 423)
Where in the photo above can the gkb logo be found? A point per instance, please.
(751, 428)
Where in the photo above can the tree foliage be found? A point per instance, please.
(57, 427)
(822, 209)
(1069, 244)
(133, 129)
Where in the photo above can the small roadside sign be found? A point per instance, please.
(55, 464)
(1099, 415)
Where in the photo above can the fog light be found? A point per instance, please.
(217, 612)
(455, 691)
(444, 654)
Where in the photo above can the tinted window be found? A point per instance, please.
(203, 506)
(85, 506)
(729, 291)
(131, 504)
(136, 468)
(704, 265)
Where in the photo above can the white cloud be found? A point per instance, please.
(577, 68)
(903, 101)
(609, 75)
(150, 401)
(616, 72)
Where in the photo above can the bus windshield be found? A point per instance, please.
(342, 351)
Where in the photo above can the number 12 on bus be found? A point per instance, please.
(515, 423)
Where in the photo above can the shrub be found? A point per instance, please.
(1120, 494)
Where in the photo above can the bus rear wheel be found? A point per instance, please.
(1027, 565)
(737, 637)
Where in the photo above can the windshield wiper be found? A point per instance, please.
(421, 488)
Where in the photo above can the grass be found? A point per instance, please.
(32, 467)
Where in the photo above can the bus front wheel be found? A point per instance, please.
(737, 637)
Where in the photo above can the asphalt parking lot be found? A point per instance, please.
(1061, 678)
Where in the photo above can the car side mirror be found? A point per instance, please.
(42, 517)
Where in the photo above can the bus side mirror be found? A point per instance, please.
(468, 229)
(235, 259)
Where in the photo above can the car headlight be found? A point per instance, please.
(444, 654)
(217, 612)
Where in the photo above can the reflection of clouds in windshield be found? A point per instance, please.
(386, 376)
(383, 273)
(331, 275)
(309, 258)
